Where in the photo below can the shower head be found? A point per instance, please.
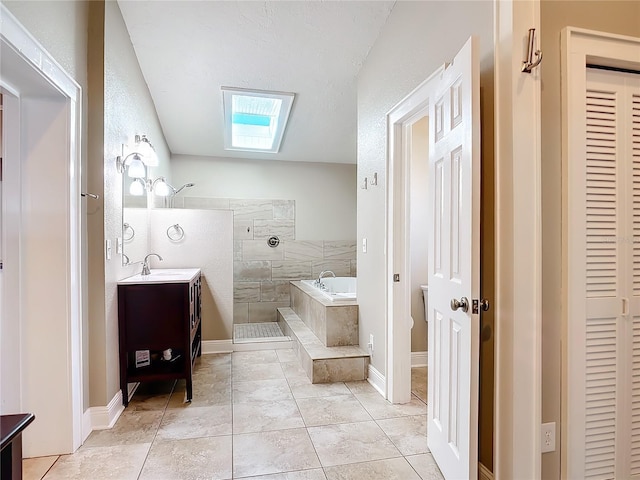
(186, 185)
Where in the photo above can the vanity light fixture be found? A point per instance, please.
(162, 188)
(136, 163)
(133, 164)
(145, 148)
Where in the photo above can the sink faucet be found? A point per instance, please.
(145, 263)
(323, 274)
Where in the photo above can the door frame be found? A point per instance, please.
(398, 294)
(518, 250)
(43, 242)
(579, 47)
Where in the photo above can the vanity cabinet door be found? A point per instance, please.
(156, 315)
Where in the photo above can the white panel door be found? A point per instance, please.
(454, 266)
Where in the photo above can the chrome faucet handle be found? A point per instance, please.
(145, 264)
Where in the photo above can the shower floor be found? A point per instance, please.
(258, 332)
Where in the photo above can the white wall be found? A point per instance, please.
(324, 193)
(417, 38)
(207, 245)
(128, 110)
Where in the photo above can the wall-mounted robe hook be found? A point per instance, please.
(92, 195)
(528, 63)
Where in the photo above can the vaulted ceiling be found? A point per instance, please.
(187, 50)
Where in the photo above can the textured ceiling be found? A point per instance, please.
(188, 50)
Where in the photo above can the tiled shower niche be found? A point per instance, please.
(261, 273)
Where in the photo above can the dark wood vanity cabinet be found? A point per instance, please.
(154, 317)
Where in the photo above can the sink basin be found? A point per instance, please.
(163, 275)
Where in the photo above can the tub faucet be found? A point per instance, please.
(145, 263)
(322, 275)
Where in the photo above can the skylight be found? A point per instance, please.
(254, 120)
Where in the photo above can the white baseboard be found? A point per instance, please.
(227, 346)
(418, 359)
(484, 473)
(86, 424)
(103, 418)
(377, 380)
(217, 346)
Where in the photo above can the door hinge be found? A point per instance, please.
(396, 277)
(476, 305)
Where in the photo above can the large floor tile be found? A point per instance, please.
(351, 443)
(286, 355)
(391, 469)
(361, 386)
(206, 393)
(380, 408)
(192, 459)
(133, 427)
(36, 468)
(122, 462)
(151, 396)
(265, 416)
(408, 434)
(314, 474)
(273, 452)
(295, 374)
(214, 359)
(257, 371)
(426, 466)
(240, 359)
(330, 410)
(212, 374)
(195, 422)
(309, 390)
(419, 382)
(261, 391)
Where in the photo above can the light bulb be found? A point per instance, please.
(162, 188)
(137, 187)
(136, 168)
(147, 151)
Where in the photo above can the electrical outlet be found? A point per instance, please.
(108, 249)
(364, 245)
(370, 344)
(548, 437)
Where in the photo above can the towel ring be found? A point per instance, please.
(128, 228)
(175, 233)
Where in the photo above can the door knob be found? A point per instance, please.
(462, 304)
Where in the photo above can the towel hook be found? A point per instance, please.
(176, 234)
(528, 63)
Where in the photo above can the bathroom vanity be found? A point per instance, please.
(159, 319)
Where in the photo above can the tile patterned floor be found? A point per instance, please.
(255, 415)
(258, 332)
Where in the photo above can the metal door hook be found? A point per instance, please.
(529, 64)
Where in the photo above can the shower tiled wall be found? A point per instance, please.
(261, 274)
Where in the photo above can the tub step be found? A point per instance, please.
(323, 364)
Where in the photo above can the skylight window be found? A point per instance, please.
(254, 120)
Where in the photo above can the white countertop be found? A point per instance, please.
(163, 275)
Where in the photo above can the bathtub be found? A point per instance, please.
(338, 289)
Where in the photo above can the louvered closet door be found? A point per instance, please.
(611, 331)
